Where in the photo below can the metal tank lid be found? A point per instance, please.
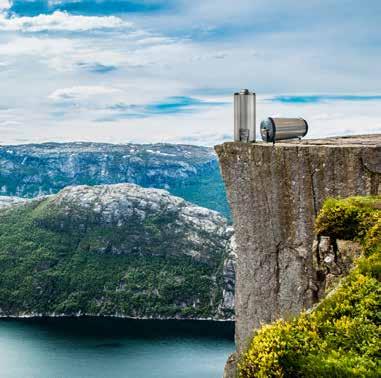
(244, 92)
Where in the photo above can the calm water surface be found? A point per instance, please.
(55, 348)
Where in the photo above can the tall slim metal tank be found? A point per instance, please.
(244, 116)
(273, 129)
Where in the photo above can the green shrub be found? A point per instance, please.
(341, 336)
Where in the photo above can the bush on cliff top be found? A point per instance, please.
(341, 336)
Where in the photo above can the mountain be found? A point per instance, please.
(115, 250)
(6, 201)
(190, 172)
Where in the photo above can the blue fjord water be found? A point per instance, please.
(108, 347)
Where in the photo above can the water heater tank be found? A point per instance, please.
(273, 129)
(244, 116)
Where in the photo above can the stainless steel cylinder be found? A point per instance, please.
(244, 116)
(273, 129)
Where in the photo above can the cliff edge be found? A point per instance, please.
(275, 193)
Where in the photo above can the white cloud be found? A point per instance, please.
(207, 127)
(60, 54)
(36, 46)
(129, 47)
(4, 5)
(68, 69)
(154, 40)
(60, 21)
(81, 93)
(104, 100)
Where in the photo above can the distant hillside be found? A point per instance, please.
(6, 201)
(114, 250)
(190, 172)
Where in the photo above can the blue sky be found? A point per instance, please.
(165, 70)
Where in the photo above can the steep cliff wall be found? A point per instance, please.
(275, 193)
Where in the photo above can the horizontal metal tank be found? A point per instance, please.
(244, 116)
(273, 129)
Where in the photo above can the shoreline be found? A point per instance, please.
(84, 316)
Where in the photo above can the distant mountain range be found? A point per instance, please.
(190, 172)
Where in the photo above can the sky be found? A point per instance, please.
(165, 70)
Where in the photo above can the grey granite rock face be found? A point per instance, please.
(229, 269)
(183, 228)
(333, 259)
(6, 201)
(275, 193)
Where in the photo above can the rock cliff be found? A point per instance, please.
(275, 193)
(115, 250)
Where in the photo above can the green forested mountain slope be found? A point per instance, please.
(114, 250)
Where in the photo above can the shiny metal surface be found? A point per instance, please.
(273, 129)
(244, 116)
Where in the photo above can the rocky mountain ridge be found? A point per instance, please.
(190, 172)
(115, 249)
(120, 205)
(6, 201)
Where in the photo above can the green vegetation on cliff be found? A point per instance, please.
(341, 336)
(112, 250)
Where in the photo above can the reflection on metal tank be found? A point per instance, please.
(273, 129)
(244, 116)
